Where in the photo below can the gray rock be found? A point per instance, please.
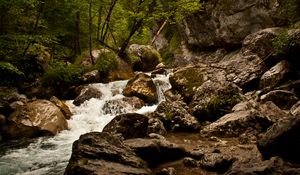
(87, 93)
(104, 154)
(189, 162)
(215, 162)
(156, 126)
(129, 125)
(283, 99)
(167, 171)
(91, 77)
(124, 105)
(295, 110)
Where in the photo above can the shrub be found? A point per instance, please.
(9, 73)
(282, 43)
(106, 62)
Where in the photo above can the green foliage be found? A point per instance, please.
(9, 73)
(106, 61)
(60, 74)
(282, 43)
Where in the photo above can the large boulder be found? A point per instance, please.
(278, 74)
(129, 125)
(91, 77)
(283, 99)
(124, 105)
(148, 57)
(104, 154)
(142, 87)
(225, 23)
(282, 139)
(175, 117)
(155, 151)
(214, 99)
(62, 106)
(37, 118)
(9, 95)
(87, 93)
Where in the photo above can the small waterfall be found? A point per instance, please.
(50, 155)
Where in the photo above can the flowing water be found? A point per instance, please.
(50, 155)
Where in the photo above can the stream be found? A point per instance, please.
(50, 155)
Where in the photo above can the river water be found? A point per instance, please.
(50, 155)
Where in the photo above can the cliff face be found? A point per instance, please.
(225, 23)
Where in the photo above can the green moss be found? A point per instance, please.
(106, 62)
(282, 43)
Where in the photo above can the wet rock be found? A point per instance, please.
(295, 110)
(104, 154)
(155, 151)
(167, 171)
(142, 87)
(260, 43)
(225, 23)
(129, 125)
(148, 57)
(87, 93)
(62, 106)
(237, 123)
(156, 126)
(275, 166)
(37, 118)
(124, 105)
(276, 75)
(283, 99)
(214, 99)
(189, 162)
(175, 117)
(91, 77)
(215, 162)
(282, 139)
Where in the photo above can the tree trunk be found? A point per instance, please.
(77, 35)
(90, 33)
(99, 21)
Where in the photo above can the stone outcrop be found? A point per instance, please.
(104, 154)
(87, 93)
(155, 151)
(142, 87)
(225, 23)
(214, 99)
(148, 57)
(37, 118)
(129, 125)
(62, 106)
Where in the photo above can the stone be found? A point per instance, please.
(175, 117)
(124, 105)
(2, 121)
(282, 139)
(225, 23)
(9, 95)
(189, 162)
(91, 77)
(215, 162)
(149, 58)
(121, 71)
(36, 118)
(62, 106)
(271, 111)
(104, 154)
(167, 171)
(156, 126)
(214, 99)
(142, 87)
(295, 110)
(278, 74)
(129, 125)
(87, 93)
(155, 151)
(236, 123)
(283, 99)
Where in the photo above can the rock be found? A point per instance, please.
(148, 57)
(37, 118)
(189, 162)
(159, 71)
(9, 95)
(62, 106)
(237, 123)
(142, 87)
(86, 60)
(91, 77)
(155, 151)
(273, 166)
(215, 162)
(225, 23)
(122, 71)
(282, 139)
(175, 117)
(86, 94)
(161, 66)
(186, 80)
(293, 86)
(124, 105)
(2, 122)
(129, 125)
(276, 75)
(214, 99)
(271, 111)
(16, 104)
(167, 171)
(283, 99)
(260, 43)
(156, 126)
(295, 110)
(104, 154)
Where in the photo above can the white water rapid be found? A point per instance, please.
(50, 155)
